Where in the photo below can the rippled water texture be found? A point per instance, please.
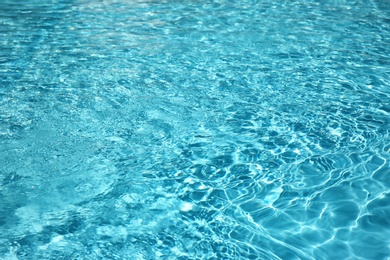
(194, 129)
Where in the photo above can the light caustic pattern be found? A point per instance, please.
(194, 129)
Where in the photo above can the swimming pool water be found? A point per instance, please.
(194, 129)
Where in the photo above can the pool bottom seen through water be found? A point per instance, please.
(194, 130)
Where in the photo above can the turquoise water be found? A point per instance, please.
(194, 129)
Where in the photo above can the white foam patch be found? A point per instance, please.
(202, 187)
(186, 206)
(336, 132)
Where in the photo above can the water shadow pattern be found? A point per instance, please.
(194, 129)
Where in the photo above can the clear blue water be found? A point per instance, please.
(194, 129)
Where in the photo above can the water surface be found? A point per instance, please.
(194, 129)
